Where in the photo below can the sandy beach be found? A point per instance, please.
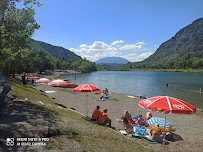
(188, 127)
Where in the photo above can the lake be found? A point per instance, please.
(185, 86)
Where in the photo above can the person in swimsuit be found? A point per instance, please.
(127, 126)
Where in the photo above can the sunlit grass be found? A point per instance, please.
(200, 113)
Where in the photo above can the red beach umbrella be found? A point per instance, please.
(58, 83)
(43, 80)
(35, 77)
(86, 88)
(166, 105)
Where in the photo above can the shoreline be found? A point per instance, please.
(186, 125)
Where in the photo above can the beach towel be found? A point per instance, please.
(139, 131)
(49, 91)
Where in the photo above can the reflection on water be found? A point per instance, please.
(184, 86)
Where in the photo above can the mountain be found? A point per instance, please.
(112, 61)
(55, 51)
(187, 42)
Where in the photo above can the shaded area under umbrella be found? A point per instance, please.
(166, 105)
(58, 83)
(86, 88)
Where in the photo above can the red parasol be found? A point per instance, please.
(167, 105)
(35, 77)
(58, 83)
(43, 80)
(86, 88)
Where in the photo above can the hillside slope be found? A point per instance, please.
(188, 40)
(56, 51)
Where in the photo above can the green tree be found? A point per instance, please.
(16, 28)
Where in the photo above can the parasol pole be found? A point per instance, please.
(164, 131)
(86, 105)
(58, 92)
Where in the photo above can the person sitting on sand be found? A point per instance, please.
(106, 91)
(127, 126)
(103, 119)
(96, 114)
(128, 116)
(155, 132)
(141, 121)
(148, 115)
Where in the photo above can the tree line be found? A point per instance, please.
(188, 61)
(17, 25)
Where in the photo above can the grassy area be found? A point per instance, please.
(69, 91)
(27, 92)
(199, 113)
(115, 99)
(76, 134)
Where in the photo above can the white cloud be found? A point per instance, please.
(156, 46)
(100, 49)
(136, 58)
(83, 46)
(132, 47)
(117, 42)
(144, 56)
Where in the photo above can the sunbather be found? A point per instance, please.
(127, 126)
(155, 132)
(141, 121)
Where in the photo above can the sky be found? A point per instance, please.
(132, 29)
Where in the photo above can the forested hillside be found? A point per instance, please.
(57, 51)
(186, 43)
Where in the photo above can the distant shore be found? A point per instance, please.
(171, 70)
(57, 73)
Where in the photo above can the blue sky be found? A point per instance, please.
(132, 29)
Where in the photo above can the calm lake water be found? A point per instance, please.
(183, 86)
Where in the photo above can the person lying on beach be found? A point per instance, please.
(103, 119)
(96, 114)
(141, 121)
(101, 98)
(155, 133)
(127, 126)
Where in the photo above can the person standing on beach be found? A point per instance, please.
(24, 80)
(96, 114)
(104, 119)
